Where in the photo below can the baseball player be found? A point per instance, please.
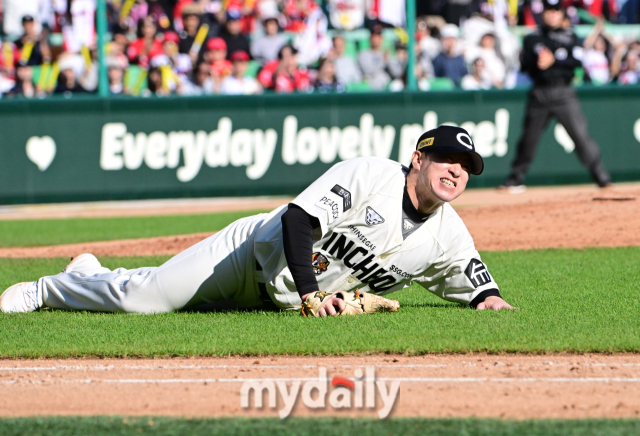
(367, 224)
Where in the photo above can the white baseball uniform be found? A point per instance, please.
(359, 244)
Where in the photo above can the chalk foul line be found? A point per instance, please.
(258, 366)
(391, 379)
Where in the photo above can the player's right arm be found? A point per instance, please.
(314, 213)
(297, 240)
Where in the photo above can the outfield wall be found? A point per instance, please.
(98, 149)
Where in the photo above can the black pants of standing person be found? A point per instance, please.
(560, 102)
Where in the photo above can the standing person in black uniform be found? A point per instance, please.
(550, 55)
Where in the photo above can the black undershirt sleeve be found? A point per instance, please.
(297, 239)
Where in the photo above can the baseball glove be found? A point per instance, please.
(356, 303)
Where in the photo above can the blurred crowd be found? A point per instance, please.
(200, 47)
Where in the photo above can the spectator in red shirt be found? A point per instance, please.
(288, 77)
(216, 56)
(266, 75)
(143, 49)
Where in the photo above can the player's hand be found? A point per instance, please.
(494, 303)
(545, 58)
(333, 307)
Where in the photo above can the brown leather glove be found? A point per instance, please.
(356, 303)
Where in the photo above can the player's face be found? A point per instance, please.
(443, 178)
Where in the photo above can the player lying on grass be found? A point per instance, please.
(367, 223)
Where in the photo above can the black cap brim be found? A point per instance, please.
(476, 159)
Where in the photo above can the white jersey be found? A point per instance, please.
(360, 242)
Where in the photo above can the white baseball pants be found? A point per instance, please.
(219, 268)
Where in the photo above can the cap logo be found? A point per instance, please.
(465, 140)
(552, 2)
(425, 143)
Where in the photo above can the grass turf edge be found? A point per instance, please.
(150, 425)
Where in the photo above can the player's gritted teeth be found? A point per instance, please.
(448, 182)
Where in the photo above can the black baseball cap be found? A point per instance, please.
(448, 140)
(27, 19)
(552, 4)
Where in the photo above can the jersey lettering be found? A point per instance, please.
(348, 257)
(340, 247)
(401, 273)
(330, 206)
(373, 276)
(382, 284)
(326, 245)
(367, 243)
(343, 249)
(362, 266)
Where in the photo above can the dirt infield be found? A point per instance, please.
(166, 245)
(577, 216)
(514, 386)
(504, 386)
(582, 216)
(104, 209)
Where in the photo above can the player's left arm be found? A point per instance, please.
(462, 277)
(315, 212)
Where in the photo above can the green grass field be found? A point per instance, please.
(570, 300)
(30, 233)
(118, 426)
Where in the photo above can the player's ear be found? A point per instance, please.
(417, 159)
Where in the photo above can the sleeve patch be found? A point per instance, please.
(346, 197)
(477, 273)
